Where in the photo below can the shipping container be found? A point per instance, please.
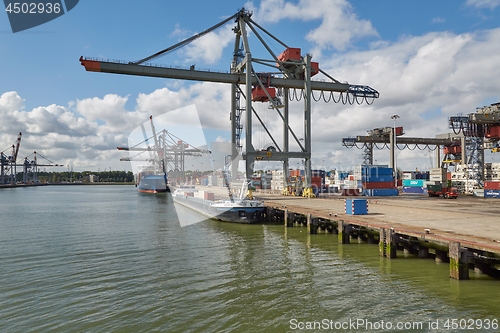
(342, 175)
(408, 175)
(373, 185)
(422, 175)
(356, 206)
(414, 190)
(382, 192)
(376, 171)
(492, 194)
(414, 182)
(492, 185)
(437, 178)
(380, 178)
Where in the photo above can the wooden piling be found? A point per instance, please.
(459, 261)
(343, 232)
(312, 224)
(288, 218)
(387, 243)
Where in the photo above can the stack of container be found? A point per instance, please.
(376, 180)
(492, 189)
(318, 180)
(438, 175)
(256, 181)
(277, 180)
(414, 186)
(265, 181)
(492, 171)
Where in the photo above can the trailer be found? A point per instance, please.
(438, 190)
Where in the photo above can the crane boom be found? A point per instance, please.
(116, 67)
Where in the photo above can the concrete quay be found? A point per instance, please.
(464, 232)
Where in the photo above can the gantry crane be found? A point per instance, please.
(168, 152)
(290, 72)
(384, 136)
(8, 163)
(481, 130)
(30, 167)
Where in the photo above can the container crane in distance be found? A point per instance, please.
(481, 130)
(290, 71)
(8, 163)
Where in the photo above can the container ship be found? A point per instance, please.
(240, 210)
(148, 181)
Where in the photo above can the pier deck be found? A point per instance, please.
(464, 232)
(466, 219)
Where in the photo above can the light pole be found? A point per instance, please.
(394, 117)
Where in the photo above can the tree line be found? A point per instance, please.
(82, 177)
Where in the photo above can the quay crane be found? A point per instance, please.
(30, 167)
(481, 130)
(168, 151)
(384, 137)
(8, 163)
(290, 78)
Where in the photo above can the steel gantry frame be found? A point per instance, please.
(289, 74)
(168, 151)
(481, 131)
(384, 137)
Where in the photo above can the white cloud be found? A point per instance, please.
(491, 4)
(339, 24)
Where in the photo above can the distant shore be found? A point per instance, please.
(48, 184)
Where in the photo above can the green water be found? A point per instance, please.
(108, 259)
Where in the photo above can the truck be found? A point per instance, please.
(438, 190)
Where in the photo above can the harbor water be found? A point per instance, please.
(109, 259)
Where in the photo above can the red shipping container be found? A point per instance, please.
(295, 173)
(375, 185)
(492, 185)
(399, 130)
(448, 176)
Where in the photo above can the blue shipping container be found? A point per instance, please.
(376, 171)
(414, 189)
(343, 175)
(492, 194)
(379, 178)
(414, 182)
(356, 206)
(389, 192)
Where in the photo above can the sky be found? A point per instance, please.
(429, 60)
